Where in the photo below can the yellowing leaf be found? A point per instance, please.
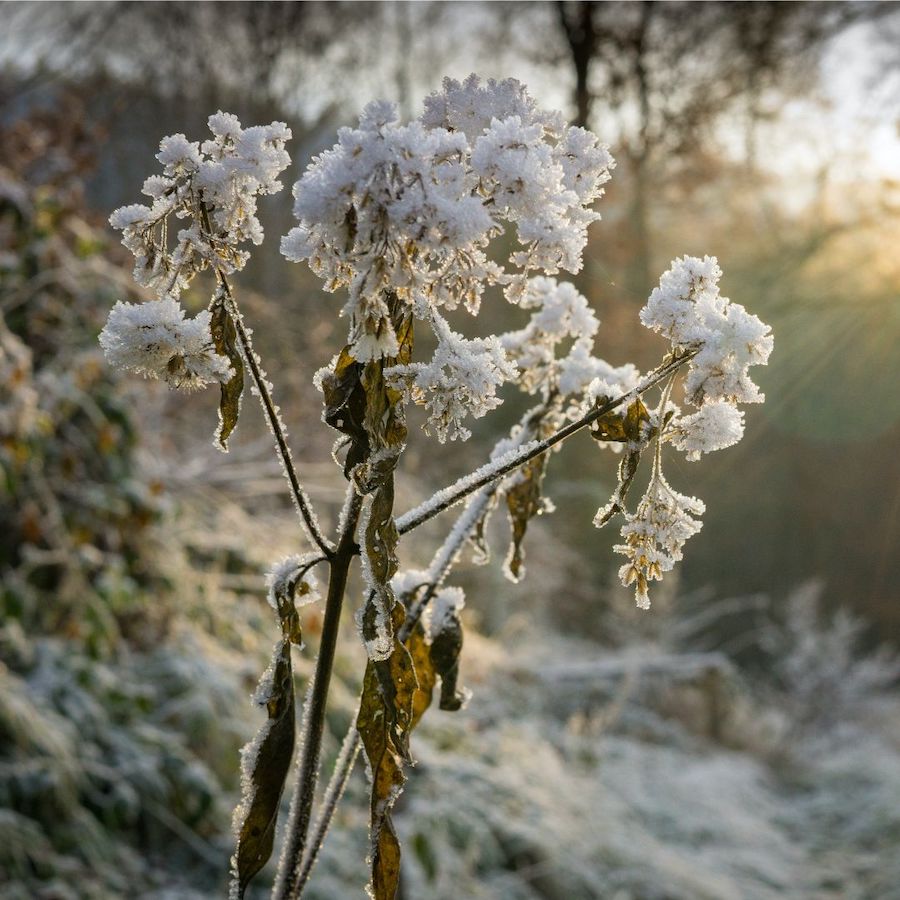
(630, 426)
(384, 722)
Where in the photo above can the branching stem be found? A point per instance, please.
(287, 883)
(441, 564)
(464, 487)
(298, 856)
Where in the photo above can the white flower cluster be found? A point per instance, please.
(213, 185)
(412, 208)
(688, 309)
(461, 379)
(655, 534)
(562, 314)
(716, 425)
(155, 339)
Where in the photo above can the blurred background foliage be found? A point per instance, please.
(132, 617)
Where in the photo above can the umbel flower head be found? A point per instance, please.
(688, 309)
(214, 187)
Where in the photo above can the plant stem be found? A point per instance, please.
(441, 564)
(270, 410)
(451, 495)
(337, 783)
(287, 884)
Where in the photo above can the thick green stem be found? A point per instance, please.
(287, 883)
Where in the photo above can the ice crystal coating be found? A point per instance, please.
(688, 309)
(444, 608)
(282, 579)
(445, 603)
(412, 208)
(655, 534)
(560, 312)
(461, 379)
(215, 185)
(156, 340)
(718, 424)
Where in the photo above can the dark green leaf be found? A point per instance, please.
(446, 646)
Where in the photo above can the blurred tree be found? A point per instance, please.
(668, 74)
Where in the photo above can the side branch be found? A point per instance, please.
(301, 501)
(450, 496)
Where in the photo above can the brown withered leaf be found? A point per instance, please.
(445, 649)
(630, 426)
(265, 761)
(523, 502)
(224, 335)
(383, 724)
(386, 709)
(635, 429)
(345, 407)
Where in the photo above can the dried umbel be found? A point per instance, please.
(405, 217)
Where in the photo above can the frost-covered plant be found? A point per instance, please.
(406, 218)
(821, 665)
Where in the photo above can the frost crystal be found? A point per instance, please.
(412, 208)
(560, 312)
(687, 308)
(155, 340)
(443, 609)
(282, 578)
(215, 185)
(461, 379)
(717, 425)
(655, 534)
